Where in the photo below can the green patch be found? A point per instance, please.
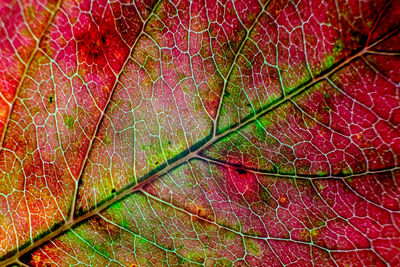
(141, 199)
(125, 224)
(117, 207)
(98, 248)
(314, 233)
(327, 108)
(329, 61)
(260, 131)
(290, 81)
(265, 122)
(181, 76)
(250, 16)
(346, 171)
(223, 262)
(107, 140)
(194, 256)
(265, 196)
(51, 99)
(252, 247)
(338, 47)
(319, 223)
(142, 241)
(248, 64)
(230, 235)
(285, 169)
(322, 173)
(327, 95)
(69, 121)
(271, 141)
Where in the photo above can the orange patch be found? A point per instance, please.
(282, 199)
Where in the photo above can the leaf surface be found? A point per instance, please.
(200, 133)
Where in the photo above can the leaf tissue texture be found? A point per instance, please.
(210, 133)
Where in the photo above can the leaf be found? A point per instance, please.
(200, 133)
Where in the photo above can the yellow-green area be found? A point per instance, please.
(194, 256)
(142, 241)
(331, 59)
(265, 195)
(86, 237)
(293, 82)
(346, 171)
(107, 139)
(252, 247)
(69, 121)
(260, 131)
(314, 233)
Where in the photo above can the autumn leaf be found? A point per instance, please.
(215, 133)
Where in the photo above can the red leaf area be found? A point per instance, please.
(212, 133)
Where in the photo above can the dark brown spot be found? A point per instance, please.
(241, 171)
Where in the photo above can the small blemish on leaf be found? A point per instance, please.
(113, 191)
(107, 140)
(282, 199)
(241, 171)
(338, 46)
(345, 171)
(201, 212)
(69, 121)
(314, 233)
(51, 99)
